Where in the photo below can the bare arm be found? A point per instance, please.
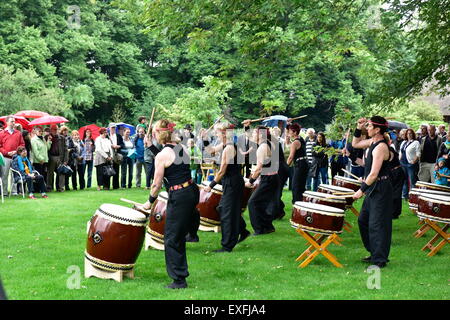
(293, 148)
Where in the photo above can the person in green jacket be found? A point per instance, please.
(39, 152)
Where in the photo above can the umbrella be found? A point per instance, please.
(397, 125)
(273, 121)
(33, 114)
(19, 120)
(94, 129)
(48, 120)
(129, 126)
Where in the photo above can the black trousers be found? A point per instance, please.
(336, 169)
(278, 206)
(375, 221)
(261, 202)
(230, 210)
(42, 169)
(39, 181)
(398, 179)
(115, 178)
(181, 218)
(301, 169)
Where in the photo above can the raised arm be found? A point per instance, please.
(358, 142)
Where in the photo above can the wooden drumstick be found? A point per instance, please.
(351, 174)
(300, 117)
(343, 193)
(256, 120)
(151, 122)
(131, 202)
(215, 122)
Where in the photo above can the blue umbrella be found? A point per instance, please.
(124, 125)
(273, 121)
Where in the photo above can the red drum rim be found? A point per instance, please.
(432, 185)
(350, 180)
(322, 196)
(331, 187)
(319, 208)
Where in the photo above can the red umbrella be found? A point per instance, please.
(33, 114)
(19, 120)
(94, 129)
(48, 120)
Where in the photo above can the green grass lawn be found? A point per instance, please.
(41, 239)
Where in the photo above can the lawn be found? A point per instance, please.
(43, 242)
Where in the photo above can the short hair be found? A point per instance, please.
(294, 127)
(63, 128)
(75, 131)
(142, 118)
(47, 129)
(310, 130)
(9, 117)
(379, 122)
(20, 150)
(102, 130)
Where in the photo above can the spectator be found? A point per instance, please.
(103, 157)
(441, 169)
(71, 152)
(127, 161)
(320, 161)
(409, 160)
(58, 154)
(27, 139)
(140, 161)
(423, 131)
(149, 159)
(397, 178)
(429, 147)
(442, 133)
(77, 161)
(245, 147)
(142, 123)
(187, 134)
(356, 157)
(400, 138)
(39, 156)
(196, 158)
(88, 156)
(117, 145)
(310, 141)
(28, 175)
(10, 140)
(339, 161)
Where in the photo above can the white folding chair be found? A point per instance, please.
(1, 189)
(12, 182)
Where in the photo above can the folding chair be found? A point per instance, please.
(12, 182)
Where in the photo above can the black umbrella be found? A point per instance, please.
(397, 125)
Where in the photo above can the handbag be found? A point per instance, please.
(117, 159)
(132, 154)
(109, 171)
(64, 170)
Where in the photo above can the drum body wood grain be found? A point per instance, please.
(155, 228)
(434, 207)
(207, 205)
(317, 218)
(115, 237)
(348, 183)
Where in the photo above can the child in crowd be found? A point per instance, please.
(441, 169)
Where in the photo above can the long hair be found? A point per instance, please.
(164, 129)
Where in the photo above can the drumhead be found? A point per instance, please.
(322, 195)
(432, 185)
(122, 214)
(436, 198)
(320, 208)
(429, 192)
(217, 187)
(350, 180)
(335, 188)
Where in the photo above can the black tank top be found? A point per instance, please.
(180, 172)
(233, 168)
(384, 170)
(395, 162)
(301, 152)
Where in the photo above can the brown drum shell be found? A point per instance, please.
(316, 220)
(208, 203)
(434, 208)
(349, 199)
(327, 202)
(346, 184)
(158, 217)
(120, 243)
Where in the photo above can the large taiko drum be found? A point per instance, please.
(115, 237)
(348, 183)
(207, 205)
(155, 228)
(248, 192)
(415, 193)
(434, 207)
(324, 199)
(330, 189)
(317, 218)
(431, 186)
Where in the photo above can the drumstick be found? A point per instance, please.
(151, 122)
(343, 193)
(351, 174)
(220, 118)
(255, 120)
(292, 119)
(131, 202)
(332, 196)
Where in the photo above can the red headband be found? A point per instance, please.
(379, 124)
(170, 127)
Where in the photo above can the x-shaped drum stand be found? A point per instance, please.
(440, 233)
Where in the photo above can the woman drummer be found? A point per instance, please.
(375, 219)
(232, 224)
(297, 156)
(264, 198)
(172, 165)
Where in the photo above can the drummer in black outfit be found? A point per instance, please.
(264, 198)
(375, 219)
(172, 165)
(232, 224)
(298, 157)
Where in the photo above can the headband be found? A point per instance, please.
(379, 124)
(170, 127)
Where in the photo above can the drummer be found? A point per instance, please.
(172, 165)
(375, 219)
(297, 156)
(264, 198)
(232, 224)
